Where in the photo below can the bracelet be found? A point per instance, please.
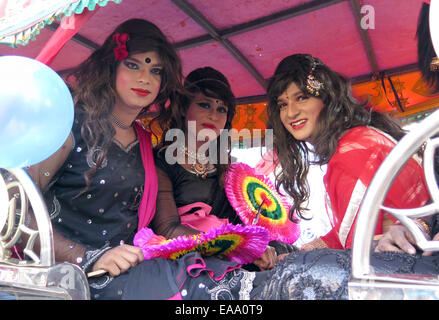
(423, 225)
(91, 256)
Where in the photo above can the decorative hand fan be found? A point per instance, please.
(241, 244)
(257, 202)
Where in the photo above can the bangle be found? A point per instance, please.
(423, 225)
(91, 256)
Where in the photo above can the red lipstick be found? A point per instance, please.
(209, 126)
(141, 92)
(297, 125)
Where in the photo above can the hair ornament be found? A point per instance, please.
(313, 85)
(120, 50)
(434, 65)
(194, 83)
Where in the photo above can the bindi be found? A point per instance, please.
(148, 60)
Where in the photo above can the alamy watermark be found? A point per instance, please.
(368, 17)
(68, 22)
(208, 150)
(367, 20)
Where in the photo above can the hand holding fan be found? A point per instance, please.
(241, 244)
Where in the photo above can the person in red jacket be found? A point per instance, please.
(312, 111)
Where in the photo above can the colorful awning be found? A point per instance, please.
(22, 20)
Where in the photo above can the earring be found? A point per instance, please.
(313, 85)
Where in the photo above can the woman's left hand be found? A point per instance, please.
(267, 260)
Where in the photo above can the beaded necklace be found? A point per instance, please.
(200, 169)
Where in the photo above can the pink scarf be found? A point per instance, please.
(147, 205)
(201, 219)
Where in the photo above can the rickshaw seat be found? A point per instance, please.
(36, 275)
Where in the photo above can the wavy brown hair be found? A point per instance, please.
(341, 112)
(425, 49)
(93, 89)
(211, 83)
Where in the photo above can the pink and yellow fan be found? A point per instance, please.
(241, 244)
(257, 202)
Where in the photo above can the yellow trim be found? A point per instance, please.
(420, 107)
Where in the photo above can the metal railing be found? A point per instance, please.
(365, 283)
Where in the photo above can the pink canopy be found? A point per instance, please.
(245, 39)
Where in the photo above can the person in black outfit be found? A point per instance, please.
(191, 196)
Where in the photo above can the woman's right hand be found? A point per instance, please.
(396, 239)
(119, 259)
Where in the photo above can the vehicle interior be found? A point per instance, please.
(374, 45)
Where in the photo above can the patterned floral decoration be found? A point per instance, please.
(250, 116)
(412, 91)
(22, 20)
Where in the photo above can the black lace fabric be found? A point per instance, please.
(323, 274)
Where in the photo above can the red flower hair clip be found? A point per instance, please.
(120, 50)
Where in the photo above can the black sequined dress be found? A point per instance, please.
(106, 213)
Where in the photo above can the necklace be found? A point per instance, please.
(120, 125)
(198, 168)
(194, 155)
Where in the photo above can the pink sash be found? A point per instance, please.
(146, 209)
(201, 219)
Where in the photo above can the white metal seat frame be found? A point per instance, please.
(37, 277)
(365, 283)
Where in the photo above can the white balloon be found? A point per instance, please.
(36, 111)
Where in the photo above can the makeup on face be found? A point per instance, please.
(208, 113)
(299, 112)
(138, 80)
(208, 125)
(141, 92)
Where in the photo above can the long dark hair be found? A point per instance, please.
(341, 112)
(211, 83)
(425, 48)
(94, 91)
